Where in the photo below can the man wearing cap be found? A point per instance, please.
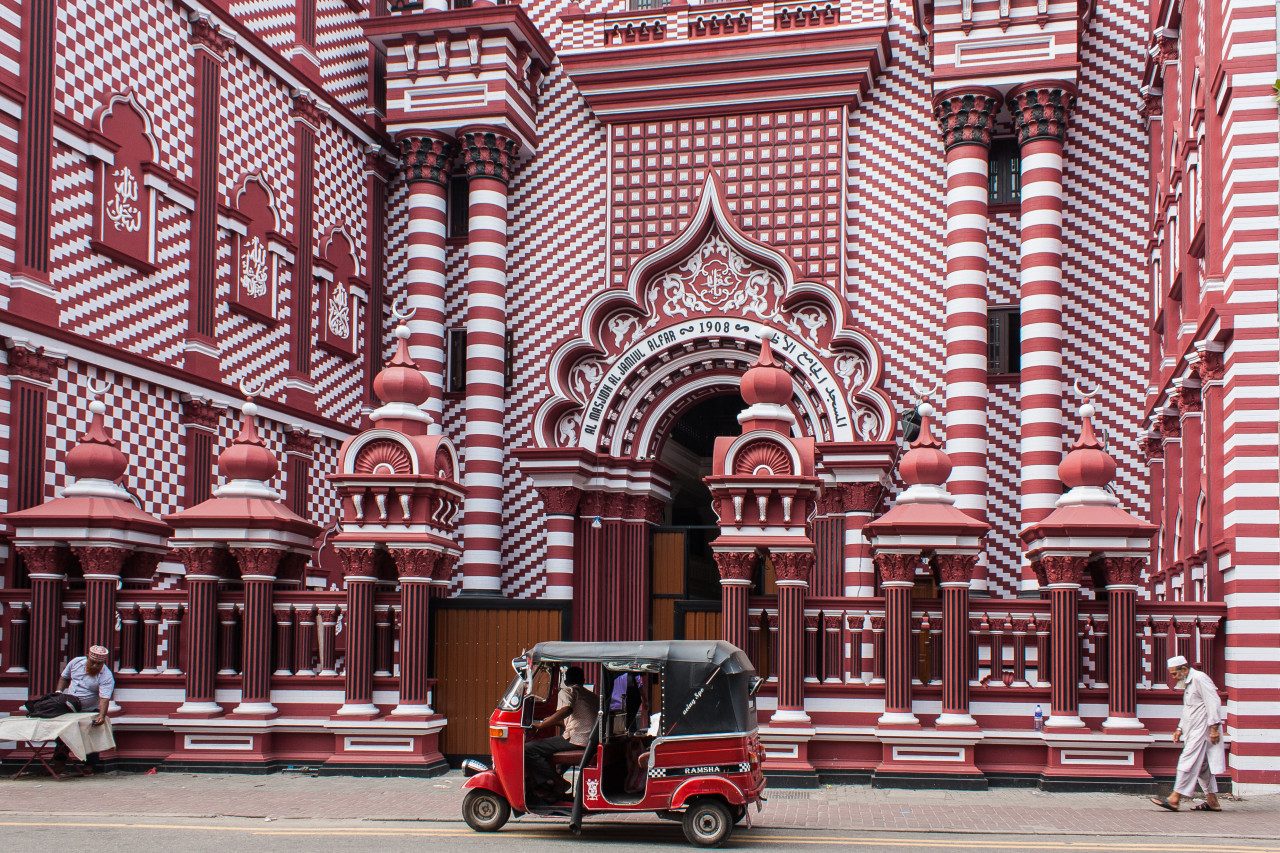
(1200, 730)
(89, 681)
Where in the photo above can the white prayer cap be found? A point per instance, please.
(1177, 660)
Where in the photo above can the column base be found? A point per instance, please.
(366, 710)
(898, 718)
(413, 711)
(789, 717)
(956, 721)
(1059, 721)
(1124, 725)
(200, 710)
(256, 709)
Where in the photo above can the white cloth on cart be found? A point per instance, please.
(77, 731)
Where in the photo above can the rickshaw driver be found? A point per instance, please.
(576, 707)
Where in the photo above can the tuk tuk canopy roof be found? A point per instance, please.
(716, 653)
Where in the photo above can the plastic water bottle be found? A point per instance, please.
(1039, 719)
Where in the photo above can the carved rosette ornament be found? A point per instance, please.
(201, 563)
(1042, 111)
(358, 563)
(414, 564)
(966, 116)
(1123, 571)
(896, 568)
(1061, 569)
(792, 567)
(738, 567)
(426, 158)
(489, 154)
(258, 562)
(955, 569)
(560, 500)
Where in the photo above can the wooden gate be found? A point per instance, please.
(472, 651)
(668, 580)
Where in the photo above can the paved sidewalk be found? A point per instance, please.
(856, 807)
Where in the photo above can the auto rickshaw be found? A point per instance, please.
(699, 762)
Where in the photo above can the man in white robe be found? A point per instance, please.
(1200, 730)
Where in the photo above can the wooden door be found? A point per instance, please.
(668, 581)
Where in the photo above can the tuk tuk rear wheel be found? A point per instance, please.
(485, 811)
(707, 823)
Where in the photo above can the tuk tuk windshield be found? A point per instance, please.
(515, 693)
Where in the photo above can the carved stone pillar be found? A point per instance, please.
(359, 568)
(791, 569)
(737, 572)
(46, 567)
(1122, 574)
(258, 571)
(101, 568)
(897, 577)
(954, 573)
(1062, 574)
(561, 505)
(415, 569)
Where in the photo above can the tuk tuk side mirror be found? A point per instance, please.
(526, 712)
(756, 683)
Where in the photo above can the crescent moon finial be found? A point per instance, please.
(922, 394)
(98, 391)
(1086, 394)
(252, 389)
(399, 313)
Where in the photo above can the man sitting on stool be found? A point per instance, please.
(576, 707)
(88, 681)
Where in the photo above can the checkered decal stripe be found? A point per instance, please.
(669, 772)
(98, 55)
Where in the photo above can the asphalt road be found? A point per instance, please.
(222, 835)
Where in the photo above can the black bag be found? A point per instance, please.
(52, 705)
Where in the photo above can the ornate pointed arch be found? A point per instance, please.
(698, 306)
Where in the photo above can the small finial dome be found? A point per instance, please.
(766, 381)
(248, 458)
(97, 456)
(926, 462)
(1087, 464)
(401, 381)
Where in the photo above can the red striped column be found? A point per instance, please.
(1040, 111)
(587, 619)
(561, 506)
(737, 573)
(965, 117)
(489, 155)
(258, 571)
(46, 570)
(792, 569)
(1123, 575)
(897, 577)
(101, 568)
(425, 160)
(1062, 575)
(954, 574)
(415, 568)
(128, 657)
(858, 500)
(359, 568)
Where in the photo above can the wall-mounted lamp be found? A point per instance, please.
(595, 523)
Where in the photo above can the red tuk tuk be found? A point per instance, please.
(698, 762)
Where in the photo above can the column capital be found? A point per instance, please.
(1041, 109)
(45, 562)
(101, 562)
(414, 564)
(1060, 570)
(859, 497)
(792, 568)
(737, 567)
(896, 568)
(955, 569)
(199, 412)
(488, 152)
(966, 115)
(1122, 571)
(358, 564)
(258, 563)
(426, 157)
(442, 574)
(205, 33)
(559, 500)
(646, 508)
(32, 363)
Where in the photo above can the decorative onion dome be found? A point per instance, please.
(925, 463)
(98, 455)
(401, 386)
(1087, 464)
(248, 457)
(766, 381)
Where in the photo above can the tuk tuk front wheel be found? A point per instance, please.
(707, 823)
(485, 811)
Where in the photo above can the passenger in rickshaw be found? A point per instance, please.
(628, 703)
(576, 708)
